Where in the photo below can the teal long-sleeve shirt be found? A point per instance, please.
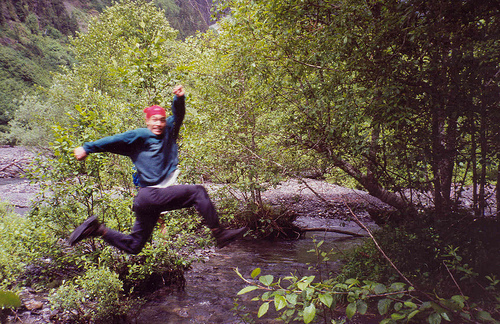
(154, 156)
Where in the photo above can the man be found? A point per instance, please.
(154, 152)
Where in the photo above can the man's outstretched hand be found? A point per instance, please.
(80, 153)
(179, 91)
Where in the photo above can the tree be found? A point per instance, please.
(380, 90)
(231, 137)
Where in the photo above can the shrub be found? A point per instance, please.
(26, 247)
(429, 249)
(307, 298)
(94, 296)
(11, 261)
(269, 222)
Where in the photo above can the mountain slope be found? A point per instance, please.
(34, 39)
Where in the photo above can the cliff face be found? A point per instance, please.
(33, 43)
(69, 16)
(46, 13)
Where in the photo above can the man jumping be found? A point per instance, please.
(154, 152)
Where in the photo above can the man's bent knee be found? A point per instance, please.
(201, 190)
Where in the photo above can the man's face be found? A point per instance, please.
(156, 124)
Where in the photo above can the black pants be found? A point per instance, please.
(150, 202)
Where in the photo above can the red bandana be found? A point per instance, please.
(154, 110)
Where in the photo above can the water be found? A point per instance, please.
(211, 287)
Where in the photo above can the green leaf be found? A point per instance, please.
(397, 286)
(459, 300)
(445, 317)
(397, 316)
(438, 308)
(380, 289)
(247, 289)
(326, 299)
(361, 306)
(266, 280)
(350, 310)
(279, 302)
(292, 299)
(9, 299)
(351, 282)
(302, 285)
(410, 304)
(263, 309)
(383, 306)
(434, 318)
(415, 312)
(485, 317)
(425, 305)
(255, 273)
(309, 313)
(309, 279)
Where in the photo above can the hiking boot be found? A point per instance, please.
(227, 236)
(90, 228)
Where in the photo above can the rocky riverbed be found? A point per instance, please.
(15, 189)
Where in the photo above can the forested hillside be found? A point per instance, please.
(34, 40)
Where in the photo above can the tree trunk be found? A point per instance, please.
(498, 187)
(437, 151)
(373, 187)
(444, 132)
(474, 169)
(368, 181)
(484, 148)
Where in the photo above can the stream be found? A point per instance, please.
(212, 286)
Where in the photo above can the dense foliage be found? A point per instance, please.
(401, 96)
(116, 75)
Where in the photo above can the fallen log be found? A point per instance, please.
(7, 166)
(319, 229)
(13, 163)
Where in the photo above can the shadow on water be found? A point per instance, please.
(211, 287)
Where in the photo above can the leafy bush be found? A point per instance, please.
(269, 222)
(26, 245)
(11, 260)
(437, 245)
(94, 296)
